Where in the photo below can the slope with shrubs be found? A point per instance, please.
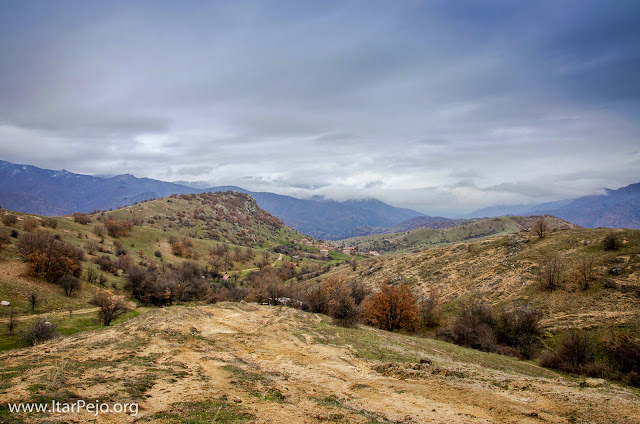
(572, 295)
(251, 363)
(469, 230)
(176, 249)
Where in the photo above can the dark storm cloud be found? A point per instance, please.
(442, 106)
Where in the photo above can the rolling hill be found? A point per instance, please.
(39, 191)
(433, 232)
(614, 209)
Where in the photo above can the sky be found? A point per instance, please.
(440, 106)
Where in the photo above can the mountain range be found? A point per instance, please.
(27, 188)
(614, 209)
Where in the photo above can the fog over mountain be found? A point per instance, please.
(442, 107)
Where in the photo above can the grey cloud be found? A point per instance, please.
(439, 106)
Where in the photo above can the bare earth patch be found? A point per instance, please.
(249, 363)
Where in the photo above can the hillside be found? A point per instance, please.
(614, 209)
(506, 270)
(434, 222)
(260, 364)
(427, 233)
(39, 191)
(223, 232)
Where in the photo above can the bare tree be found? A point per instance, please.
(13, 321)
(584, 270)
(551, 271)
(33, 300)
(541, 226)
(111, 306)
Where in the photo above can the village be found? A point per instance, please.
(325, 248)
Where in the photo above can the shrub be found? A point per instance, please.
(429, 308)
(40, 332)
(342, 306)
(9, 219)
(81, 218)
(106, 264)
(100, 230)
(29, 224)
(70, 284)
(50, 257)
(392, 308)
(50, 223)
(519, 328)
(474, 327)
(5, 240)
(119, 228)
(573, 355)
(111, 306)
(612, 241)
(551, 272)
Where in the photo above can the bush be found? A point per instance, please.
(392, 308)
(50, 257)
(30, 224)
(111, 306)
(40, 332)
(474, 327)
(106, 264)
(70, 284)
(50, 223)
(9, 219)
(551, 272)
(612, 241)
(81, 218)
(5, 240)
(119, 228)
(429, 308)
(519, 328)
(100, 230)
(342, 306)
(573, 355)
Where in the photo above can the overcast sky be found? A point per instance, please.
(441, 106)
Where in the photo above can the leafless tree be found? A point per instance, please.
(541, 226)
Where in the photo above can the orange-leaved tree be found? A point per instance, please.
(392, 308)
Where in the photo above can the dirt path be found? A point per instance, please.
(281, 365)
(52, 314)
(280, 256)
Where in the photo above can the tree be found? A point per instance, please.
(540, 227)
(392, 308)
(111, 306)
(551, 272)
(50, 257)
(33, 300)
(70, 284)
(13, 321)
(430, 308)
(584, 270)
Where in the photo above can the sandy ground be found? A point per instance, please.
(272, 363)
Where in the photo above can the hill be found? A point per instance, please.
(430, 232)
(249, 363)
(39, 191)
(224, 232)
(510, 269)
(614, 209)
